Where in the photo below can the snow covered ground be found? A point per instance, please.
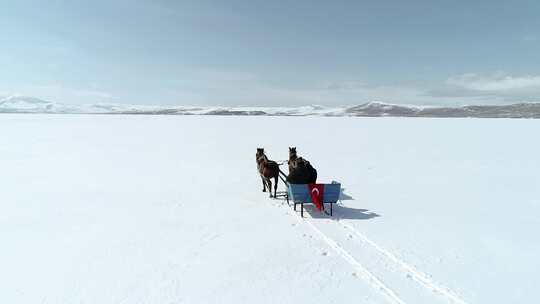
(169, 209)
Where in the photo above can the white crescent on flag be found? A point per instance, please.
(315, 190)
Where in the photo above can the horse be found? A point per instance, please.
(292, 157)
(300, 170)
(267, 169)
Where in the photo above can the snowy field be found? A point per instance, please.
(169, 209)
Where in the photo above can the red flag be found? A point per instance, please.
(317, 194)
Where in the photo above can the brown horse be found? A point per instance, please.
(267, 169)
(300, 170)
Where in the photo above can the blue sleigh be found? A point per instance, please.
(299, 195)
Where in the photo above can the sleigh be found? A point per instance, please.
(299, 194)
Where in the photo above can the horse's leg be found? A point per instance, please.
(275, 185)
(264, 184)
(269, 186)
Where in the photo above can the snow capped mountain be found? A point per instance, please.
(24, 104)
(382, 109)
(14, 99)
(378, 109)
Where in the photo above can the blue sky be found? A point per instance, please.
(271, 52)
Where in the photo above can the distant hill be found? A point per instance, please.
(520, 110)
(24, 104)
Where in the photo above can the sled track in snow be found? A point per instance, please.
(375, 282)
(378, 284)
(417, 275)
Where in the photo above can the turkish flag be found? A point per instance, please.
(317, 194)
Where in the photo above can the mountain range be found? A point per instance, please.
(23, 104)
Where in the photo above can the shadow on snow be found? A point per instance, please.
(339, 211)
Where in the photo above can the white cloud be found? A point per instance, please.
(243, 88)
(495, 83)
(211, 87)
(490, 88)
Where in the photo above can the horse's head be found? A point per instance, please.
(292, 153)
(260, 154)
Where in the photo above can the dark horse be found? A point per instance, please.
(267, 169)
(292, 157)
(300, 170)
